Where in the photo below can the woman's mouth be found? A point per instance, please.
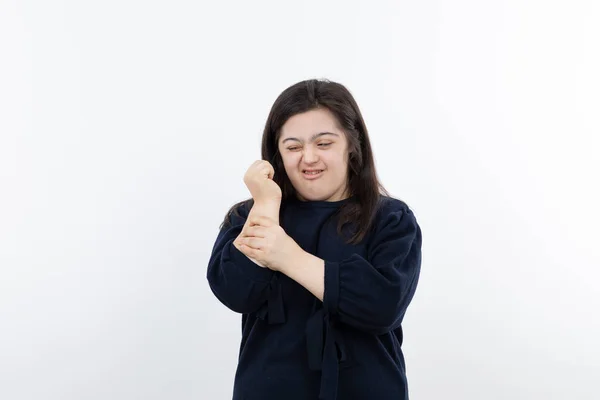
(312, 174)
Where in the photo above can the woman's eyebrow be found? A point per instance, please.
(313, 137)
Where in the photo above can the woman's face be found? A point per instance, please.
(312, 141)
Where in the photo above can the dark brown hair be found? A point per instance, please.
(363, 182)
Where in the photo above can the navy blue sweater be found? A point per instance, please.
(348, 347)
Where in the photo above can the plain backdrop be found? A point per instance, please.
(126, 127)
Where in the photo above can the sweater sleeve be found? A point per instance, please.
(373, 294)
(237, 281)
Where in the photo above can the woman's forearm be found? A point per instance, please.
(268, 209)
(301, 266)
(306, 269)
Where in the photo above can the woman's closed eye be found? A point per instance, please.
(322, 145)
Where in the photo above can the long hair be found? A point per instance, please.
(363, 182)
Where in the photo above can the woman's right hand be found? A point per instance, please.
(259, 180)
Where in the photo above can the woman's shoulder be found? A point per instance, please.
(389, 204)
(393, 213)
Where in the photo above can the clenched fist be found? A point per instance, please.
(259, 180)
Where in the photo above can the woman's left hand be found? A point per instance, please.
(265, 241)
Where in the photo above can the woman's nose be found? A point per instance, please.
(310, 156)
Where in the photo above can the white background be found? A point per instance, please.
(126, 128)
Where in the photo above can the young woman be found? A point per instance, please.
(321, 262)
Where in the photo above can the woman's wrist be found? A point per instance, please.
(267, 208)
